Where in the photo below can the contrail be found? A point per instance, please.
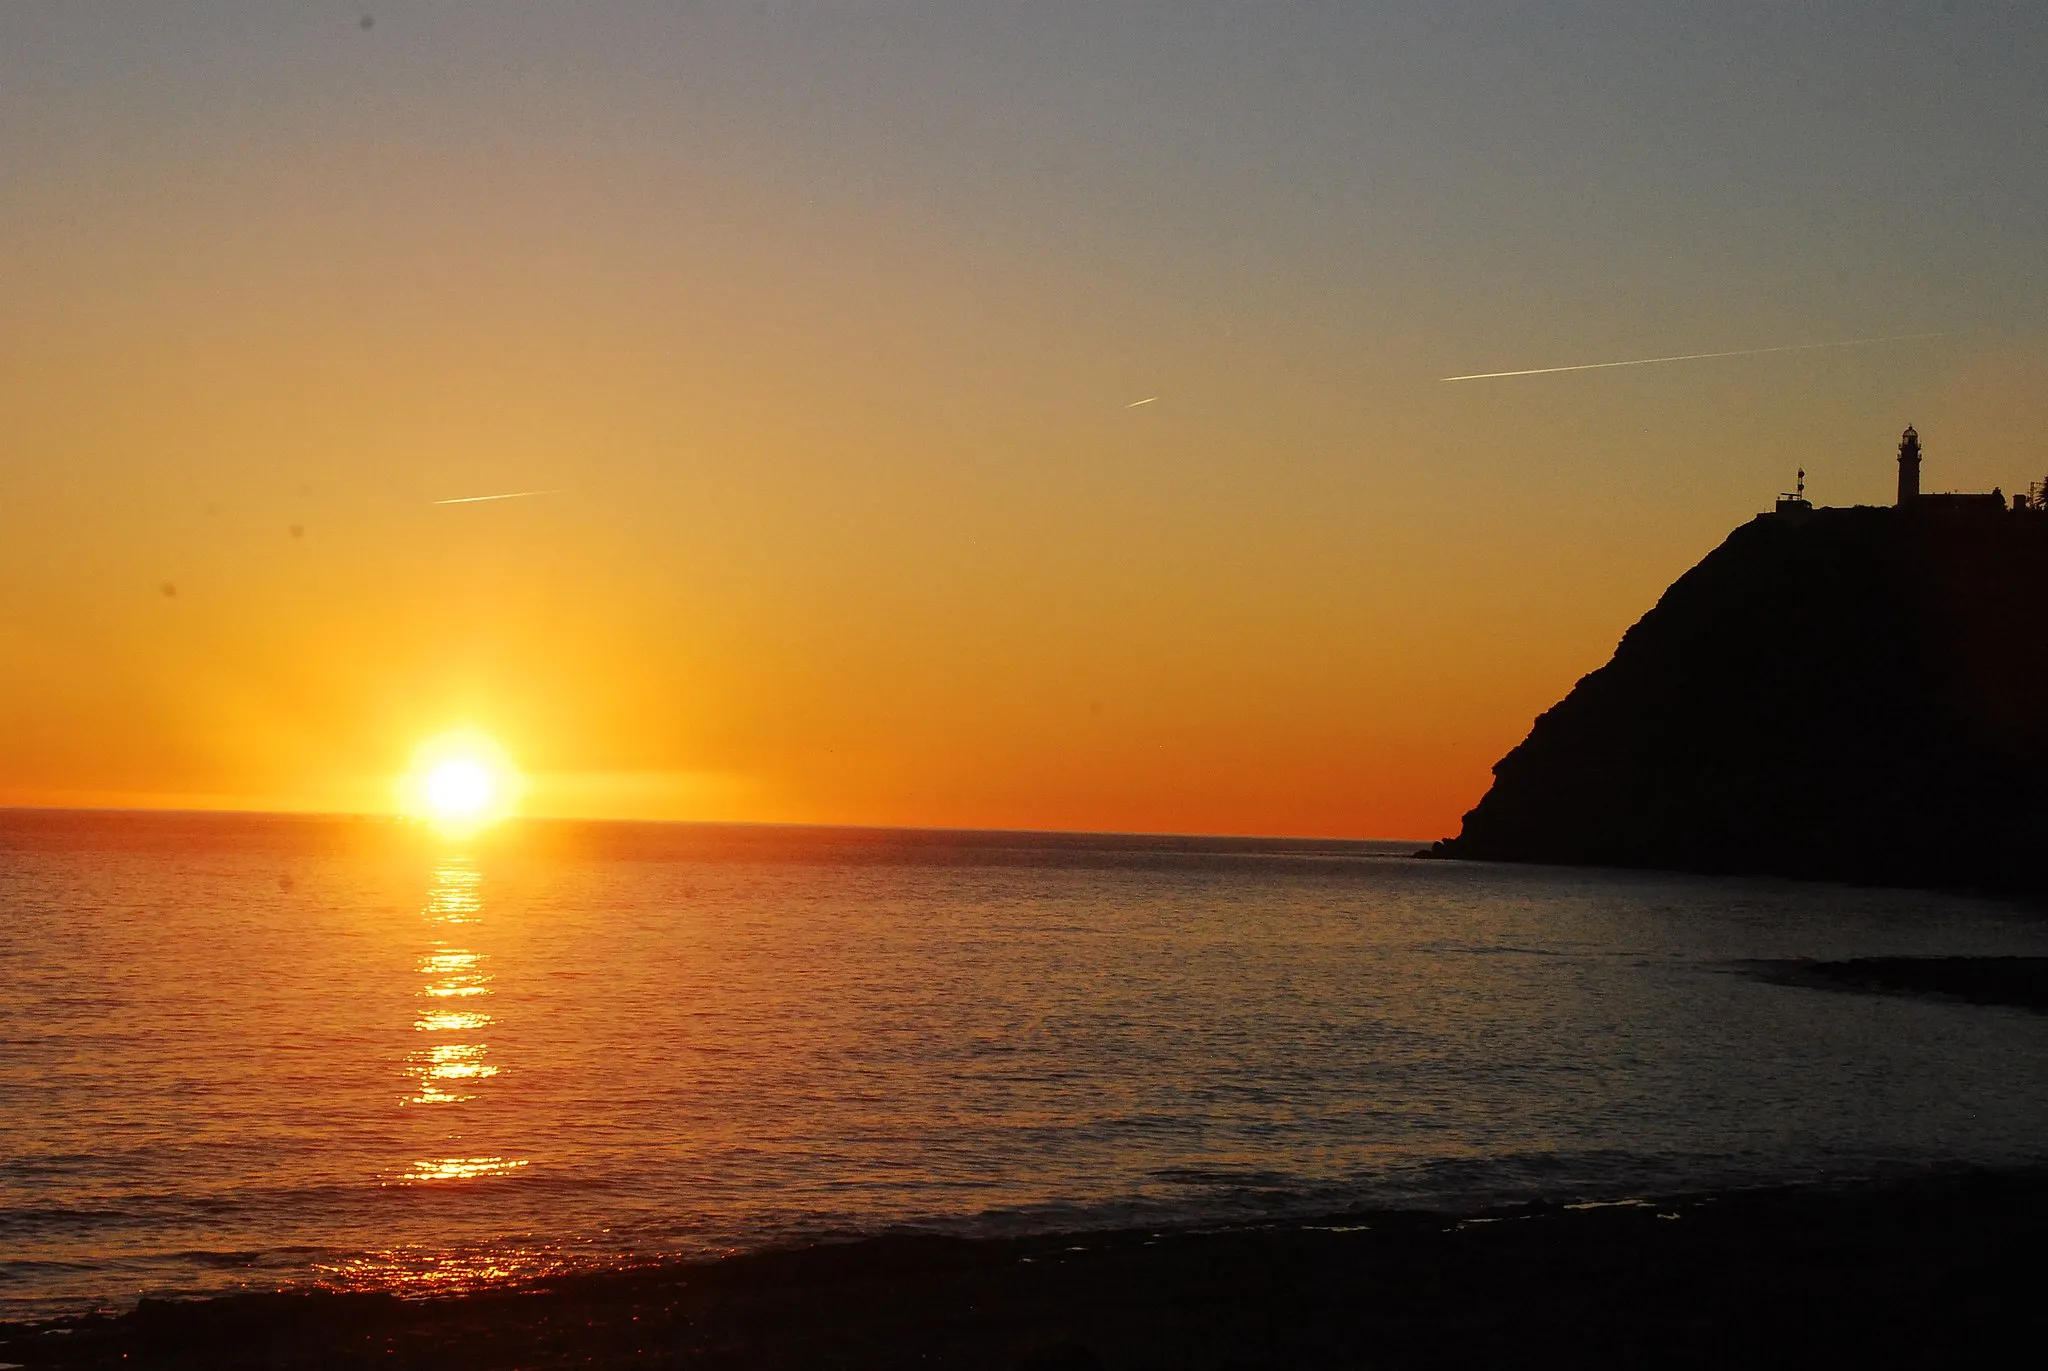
(510, 495)
(1698, 356)
(1146, 401)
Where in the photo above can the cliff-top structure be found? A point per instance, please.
(1855, 694)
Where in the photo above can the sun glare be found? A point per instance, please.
(460, 782)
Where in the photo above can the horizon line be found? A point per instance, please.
(384, 816)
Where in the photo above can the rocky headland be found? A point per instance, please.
(1849, 694)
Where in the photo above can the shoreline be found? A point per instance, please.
(2005, 982)
(1922, 1268)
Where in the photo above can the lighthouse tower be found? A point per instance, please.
(1909, 466)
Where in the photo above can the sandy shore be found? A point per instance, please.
(1935, 1269)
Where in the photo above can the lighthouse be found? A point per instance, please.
(1909, 466)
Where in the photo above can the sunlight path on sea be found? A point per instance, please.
(446, 1072)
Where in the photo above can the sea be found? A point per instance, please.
(271, 1052)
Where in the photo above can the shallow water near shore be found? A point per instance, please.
(248, 1051)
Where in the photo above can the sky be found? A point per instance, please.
(823, 328)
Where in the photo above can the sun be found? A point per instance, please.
(460, 782)
(460, 788)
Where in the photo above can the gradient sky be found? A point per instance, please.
(822, 322)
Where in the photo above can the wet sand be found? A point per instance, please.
(1933, 1269)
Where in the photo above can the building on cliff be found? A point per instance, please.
(1928, 504)
(1796, 503)
(1922, 714)
(1944, 502)
(1909, 466)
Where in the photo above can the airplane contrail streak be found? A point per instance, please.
(478, 499)
(1146, 401)
(1697, 356)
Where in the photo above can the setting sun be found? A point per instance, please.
(460, 782)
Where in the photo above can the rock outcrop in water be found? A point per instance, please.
(1851, 694)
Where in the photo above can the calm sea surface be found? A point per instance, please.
(259, 1051)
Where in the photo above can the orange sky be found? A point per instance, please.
(827, 360)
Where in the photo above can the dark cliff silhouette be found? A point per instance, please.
(1850, 694)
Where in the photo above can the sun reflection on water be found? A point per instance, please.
(447, 1069)
(454, 899)
(450, 1021)
(462, 1168)
(459, 1061)
(422, 1271)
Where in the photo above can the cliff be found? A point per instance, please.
(1851, 694)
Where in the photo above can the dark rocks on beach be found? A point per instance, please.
(1856, 694)
(1937, 1271)
(2014, 982)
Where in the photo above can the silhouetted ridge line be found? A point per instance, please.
(1851, 694)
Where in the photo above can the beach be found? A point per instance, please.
(1934, 1269)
